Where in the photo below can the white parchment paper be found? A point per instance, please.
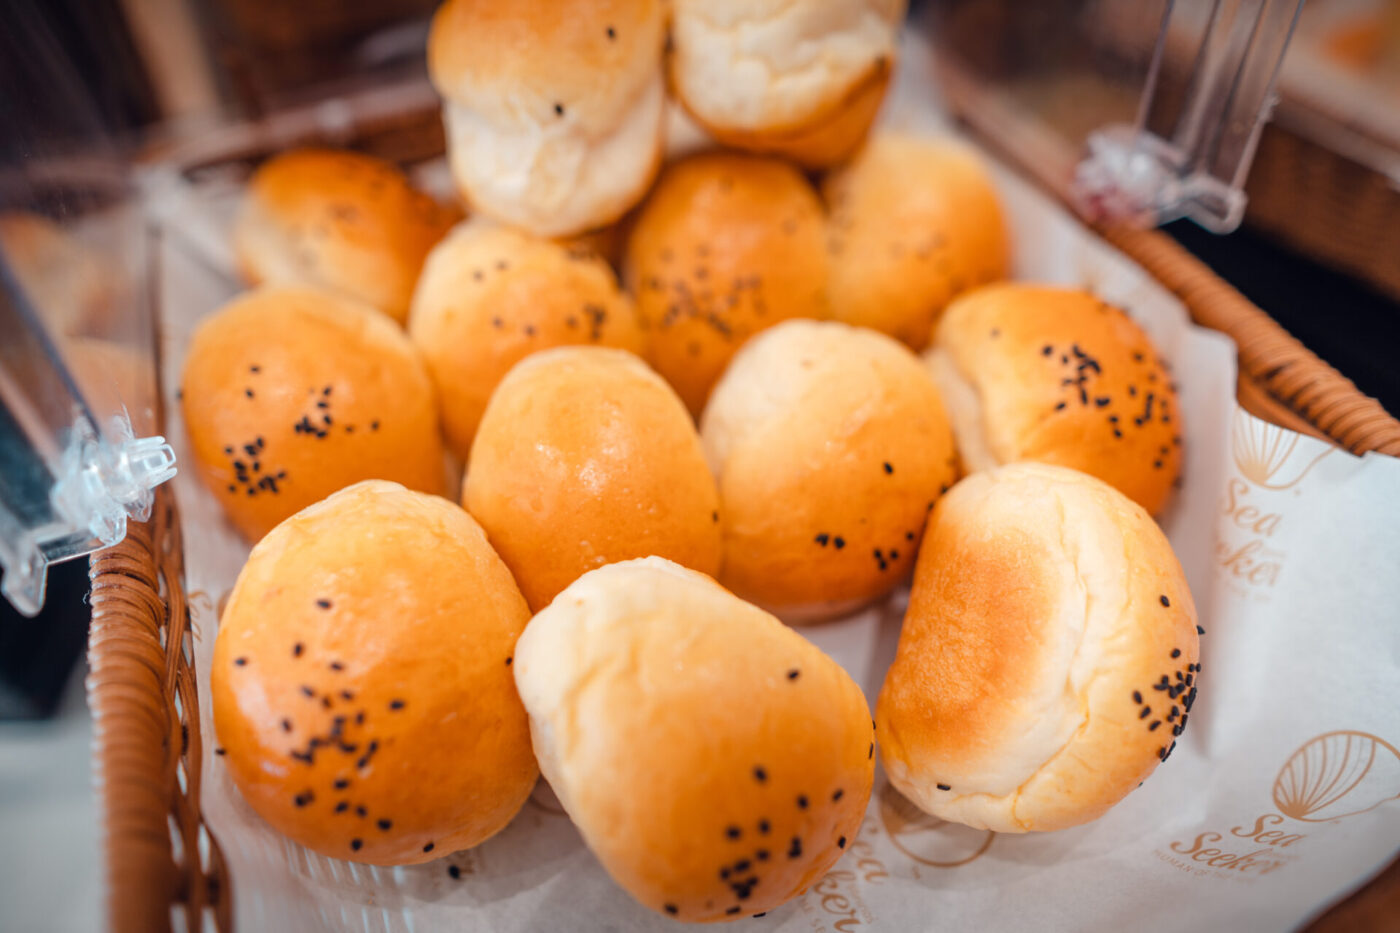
(1280, 797)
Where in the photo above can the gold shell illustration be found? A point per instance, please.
(1263, 451)
(927, 839)
(1338, 774)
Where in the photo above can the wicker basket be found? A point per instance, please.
(157, 854)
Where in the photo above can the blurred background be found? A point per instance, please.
(195, 82)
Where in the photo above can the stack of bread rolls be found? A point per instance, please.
(670, 462)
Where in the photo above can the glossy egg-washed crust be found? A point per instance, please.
(362, 685)
(342, 220)
(490, 296)
(913, 223)
(830, 444)
(290, 393)
(725, 246)
(585, 457)
(1065, 377)
(715, 761)
(1048, 658)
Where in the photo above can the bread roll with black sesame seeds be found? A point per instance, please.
(554, 115)
(490, 296)
(341, 220)
(799, 78)
(725, 246)
(714, 760)
(291, 392)
(830, 445)
(1054, 374)
(585, 456)
(1048, 656)
(913, 223)
(362, 684)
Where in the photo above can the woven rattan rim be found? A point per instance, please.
(147, 748)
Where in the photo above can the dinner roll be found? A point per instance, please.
(362, 686)
(1048, 656)
(714, 760)
(801, 78)
(585, 457)
(345, 221)
(290, 393)
(725, 246)
(913, 223)
(1054, 374)
(554, 116)
(490, 296)
(830, 446)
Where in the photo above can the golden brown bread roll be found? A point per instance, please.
(913, 224)
(554, 115)
(362, 688)
(725, 246)
(490, 296)
(1057, 375)
(341, 220)
(714, 760)
(290, 393)
(1048, 656)
(585, 457)
(799, 78)
(830, 446)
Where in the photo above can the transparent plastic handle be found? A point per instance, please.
(1189, 152)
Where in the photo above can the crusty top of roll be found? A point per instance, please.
(490, 296)
(830, 444)
(362, 686)
(342, 220)
(513, 61)
(584, 457)
(778, 65)
(716, 762)
(1048, 654)
(1058, 375)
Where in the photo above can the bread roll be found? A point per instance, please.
(490, 296)
(290, 393)
(362, 685)
(714, 760)
(830, 446)
(554, 115)
(71, 286)
(1048, 656)
(586, 457)
(725, 246)
(1057, 375)
(341, 220)
(913, 224)
(801, 78)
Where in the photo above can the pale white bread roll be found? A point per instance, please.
(554, 115)
(801, 78)
(714, 760)
(1058, 375)
(830, 446)
(1048, 658)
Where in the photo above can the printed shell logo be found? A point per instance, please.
(927, 839)
(1336, 775)
(1263, 452)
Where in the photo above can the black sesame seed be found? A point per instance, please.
(1059, 406)
(760, 775)
(841, 843)
(889, 468)
(732, 910)
(454, 871)
(669, 908)
(764, 914)
(337, 666)
(248, 392)
(1176, 652)
(839, 542)
(733, 832)
(870, 754)
(347, 696)
(724, 874)
(361, 812)
(795, 849)
(1155, 724)
(1146, 711)
(1137, 696)
(323, 603)
(297, 649)
(286, 725)
(341, 783)
(1046, 350)
(509, 661)
(558, 110)
(761, 855)
(763, 827)
(1200, 631)
(793, 674)
(303, 798)
(1165, 602)
(220, 751)
(240, 661)
(801, 801)
(385, 825)
(945, 787)
(838, 795)
(822, 539)
(396, 704)
(374, 425)
(741, 866)
(342, 806)
(325, 702)
(429, 847)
